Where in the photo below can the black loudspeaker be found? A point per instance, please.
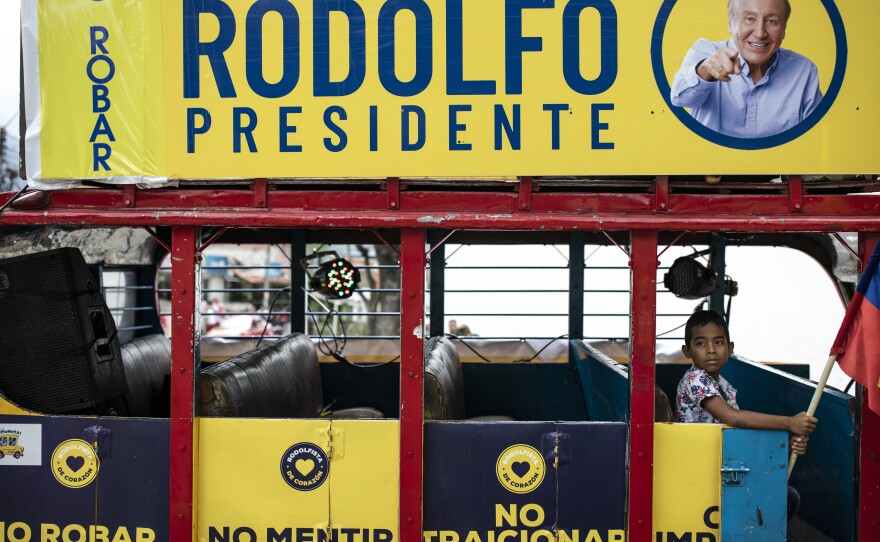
(58, 347)
(689, 279)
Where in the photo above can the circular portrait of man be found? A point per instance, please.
(750, 70)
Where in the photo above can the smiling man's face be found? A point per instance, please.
(758, 28)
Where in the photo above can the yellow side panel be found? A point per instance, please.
(242, 485)
(7, 407)
(687, 479)
(365, 471)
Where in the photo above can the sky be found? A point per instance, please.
(772, 319)
(9, 69)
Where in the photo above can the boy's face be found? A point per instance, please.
(709, 349)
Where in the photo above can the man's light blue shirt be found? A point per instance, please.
(786, 95)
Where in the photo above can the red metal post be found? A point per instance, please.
(869, 482)
(662, 192)
(129, 194)
(392, 186)
(869, 443)
(184, 308)
(795, 194)
(641, 405)
(412, 333)
(525, 193)
(261, 193)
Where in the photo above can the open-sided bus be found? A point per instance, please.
(143, 419)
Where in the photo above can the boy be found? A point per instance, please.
(704, 396)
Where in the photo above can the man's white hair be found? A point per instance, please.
(731, 3)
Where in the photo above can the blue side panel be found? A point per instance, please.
(583, 491)
(461, 484)
(754, 489)
(130, 490)
(32, 495)
(605, 384)
(829, 507)
(133, 488)
(592, 477)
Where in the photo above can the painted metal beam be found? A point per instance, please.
(868, 473)
(750, 221)
(412, 333)
(184, 342)
(457, 208)
(576, 254)
(643, 254)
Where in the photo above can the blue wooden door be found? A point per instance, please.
(754, 485)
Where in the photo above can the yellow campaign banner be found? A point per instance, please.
(316, 480)
(687, 481)
(149, 91)
(94, 91)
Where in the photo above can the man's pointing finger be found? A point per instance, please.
(730, 60)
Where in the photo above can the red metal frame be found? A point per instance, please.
(795, 194)
(641, 383)
(392, 189)
(869, 445)
(662, 193)
(412, 333)
(414, 208)
(869, 474)
(184, 340)
(261, 193)
(129, 195)
(500, 209)
(525, 194)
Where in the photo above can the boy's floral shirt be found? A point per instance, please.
(696, 385)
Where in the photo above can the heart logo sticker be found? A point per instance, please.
(305, 466)
(75, 463)
(520, 468)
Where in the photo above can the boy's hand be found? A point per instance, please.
(799, 444)
(803, 425)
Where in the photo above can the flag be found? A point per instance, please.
(858, 341)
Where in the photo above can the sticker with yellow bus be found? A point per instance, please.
(9, 444)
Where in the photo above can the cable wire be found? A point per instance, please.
(269, 316)
(338, 342)
(487, 360)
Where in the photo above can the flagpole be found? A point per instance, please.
(837, 348)
(814, 403)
